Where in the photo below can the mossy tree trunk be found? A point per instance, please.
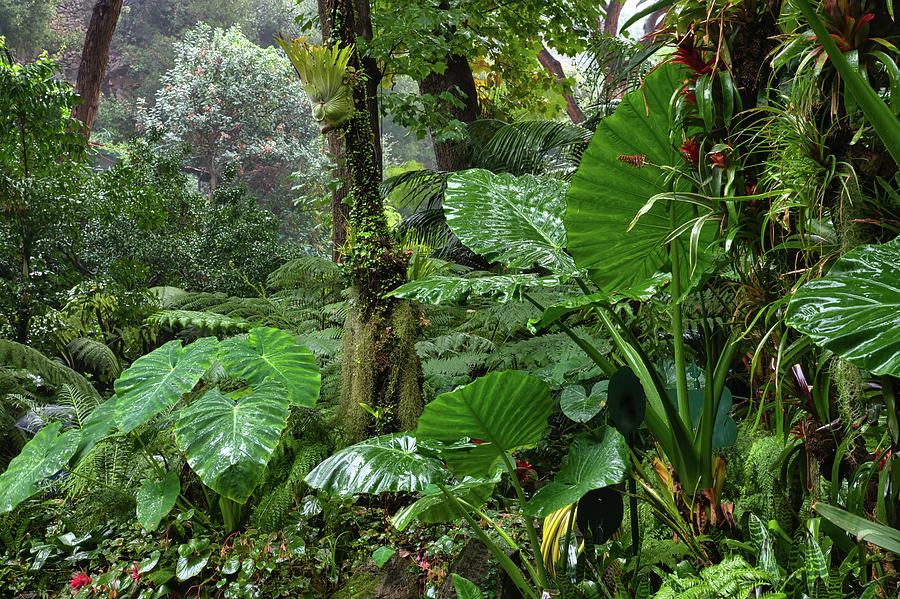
(380, 369)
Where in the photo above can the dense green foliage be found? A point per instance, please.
(658, 350)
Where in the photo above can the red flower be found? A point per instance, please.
(135, 572)
(690, 150)
(79, 580)
(524, 470)
(882, 458)
(718, 159)
(689, 57)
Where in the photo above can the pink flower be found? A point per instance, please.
(135, 572)
(79, 580)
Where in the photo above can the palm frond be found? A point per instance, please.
(419, 189)
(533, 146)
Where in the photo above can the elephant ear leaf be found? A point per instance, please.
(159, 379)
(386, 463)
(619, 173)
(854, 310)
(44, 455)
(272, 353)
(591, 463)
(156, 498)
(507, 411)
(228, 442)
(516, 221)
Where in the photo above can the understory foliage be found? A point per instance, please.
(654, 354)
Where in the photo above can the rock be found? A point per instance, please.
(478, 564)
(397, 579)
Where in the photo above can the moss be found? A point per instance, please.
(361, 585)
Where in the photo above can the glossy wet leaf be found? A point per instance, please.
(382, 555)
(191, 565)
(386, 463)
(228, 443)
(506, 410)
(159, 379)
(591, 463)
(517, 221)
(435, 507)
(465, 588)
(437, 289)
(156, 498)
(854, 310)
(577, 405)
(608, 191)
(96, 426)
(272, 353)
(44, 455)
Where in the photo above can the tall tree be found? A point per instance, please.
(381, 373)
(94, 59)
(340, 211)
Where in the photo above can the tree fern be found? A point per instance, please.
(304, 272)
(95, 356)
(80, 404)
(55, 374)
(201, 320)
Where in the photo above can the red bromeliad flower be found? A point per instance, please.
(524, 470)
(135, 572)
(689, 57)
(718, 159)
(79, 580)
(690, 150)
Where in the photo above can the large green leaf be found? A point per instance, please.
(608, 191)
(228, 442)
(506, 410)
(271, 353)
(156, 498)
(514, 220)
(864, 530)
(159, 379)
(44, 455)
(854, 310)
(437, 289)
(379, 464)
(96, 426)
(591, 463)
(435, 507)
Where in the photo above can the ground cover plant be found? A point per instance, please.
(623, 325)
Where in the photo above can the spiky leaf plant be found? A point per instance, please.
(327, 79)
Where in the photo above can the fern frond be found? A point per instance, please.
(80, 404)
(16, 355)
(166, 294)
(204, 321)
(96, 356)
(304, 271)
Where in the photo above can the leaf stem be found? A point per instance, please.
(684, 406)
(529, 523)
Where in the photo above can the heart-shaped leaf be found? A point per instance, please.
(619, 172)
(435, 507)
(189, 566)
(591, 463)
(578, 405)
(516, 221)
(506, 410)
(271, 353)
(228, 442)
(854, 310)
(379, 464)
(156, 498)
(44, 455)
(159, 379)
(465, 588)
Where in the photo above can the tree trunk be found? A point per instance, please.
(94, 59)
(611, 20)
(339, 210)
(552, 65)
(380, 368)
(457, 80)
